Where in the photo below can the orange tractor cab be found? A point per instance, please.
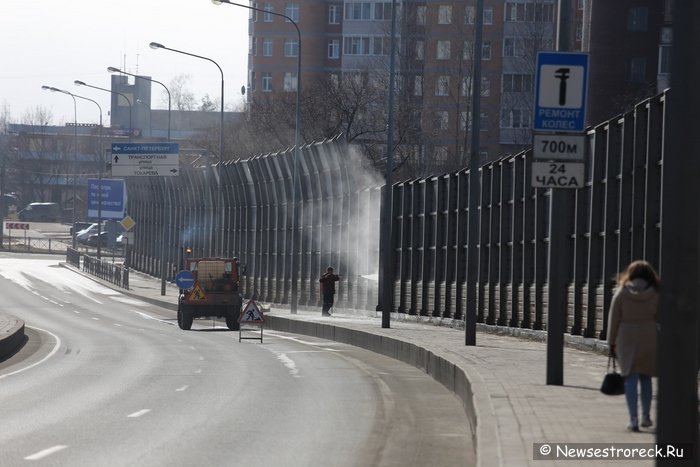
(214, 292)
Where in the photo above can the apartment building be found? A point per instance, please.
(435, 60)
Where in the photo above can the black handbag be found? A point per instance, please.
(614, 382)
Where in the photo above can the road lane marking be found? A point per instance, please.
(51, 354)
(96, 319)
(46, 452)
(139, 413)
(183, 388)
(289, 363)
(117, 324)
(76, 311)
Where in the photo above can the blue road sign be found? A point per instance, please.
(112, 192)
(184, 279)
(560, 92)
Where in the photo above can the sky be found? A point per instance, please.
(54, 42)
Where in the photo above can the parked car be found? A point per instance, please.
(93, 239)
(80, 226)
(44, 212)
(83, 235)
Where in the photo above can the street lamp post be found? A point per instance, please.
(75, 155)
(295, 220)
(163, 262)
(82, 83)
(220, 197)
(100, 164)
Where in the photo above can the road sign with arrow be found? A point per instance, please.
(145, 159)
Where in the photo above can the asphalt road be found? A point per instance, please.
(108, 380)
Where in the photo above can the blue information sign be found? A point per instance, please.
(184, 279)
(112, 194)
(560, 92)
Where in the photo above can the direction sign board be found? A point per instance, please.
(112, 194)
(16, 226)
(559, 147)
(184, 279)
(560, 91)
(557, 174)
(145, 159)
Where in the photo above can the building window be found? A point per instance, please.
(251, 82)
(418, 85)
(291, 48)
(334, 48)
(637, 19)
(467, 50)
(580, 4)
(440, 154)
(290, 82)
(333, 14)
(442, 118)
(267, 81)
(267, 47)
(444, 14)
(469, 15)
(292, 10)
(442, 86)
(484, 121)
(252, 45)
(636, 70)
(420, 50)
(467, 86)
(382, 11)
(515, 118)
(544, 13)
(515, 82)
(579, 31)
(485, 87)
(488, 15)
(486, 50)
(267, 17)
(358, 11)
(443, 50)
(513, 47)
(465, 120)
(420, 15)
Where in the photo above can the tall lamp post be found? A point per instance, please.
(100, 164)
(163, 262)
(295, 220)
(75, 155)
(128, 101)
(220, 197)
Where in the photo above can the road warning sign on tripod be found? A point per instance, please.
(560, 92)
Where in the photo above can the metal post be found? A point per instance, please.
(558, 255)
(678, 304)
(474, 184)
(387, 276)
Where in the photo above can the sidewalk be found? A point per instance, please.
(501, 380)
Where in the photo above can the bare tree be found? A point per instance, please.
(181, 97)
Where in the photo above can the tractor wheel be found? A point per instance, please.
(184, 319)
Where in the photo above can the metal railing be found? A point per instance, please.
(612, 220)
(104, 269)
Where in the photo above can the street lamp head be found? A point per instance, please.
(155, 45)
(77, 82)
(111, 69)
(46, 88)
(216, 2)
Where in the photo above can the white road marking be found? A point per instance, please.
(139, 413)
(198, 371)
(76, 311)
(183, 388)
(45, 453)
(51, 354)
(117, 324)
(289, 363)
(96, 319)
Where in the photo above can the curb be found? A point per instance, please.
(11, 335)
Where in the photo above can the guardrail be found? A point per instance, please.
(105, 270)
(32, 245)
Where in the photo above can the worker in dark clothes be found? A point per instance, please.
(328, 280)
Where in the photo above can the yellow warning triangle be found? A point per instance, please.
(198, 293)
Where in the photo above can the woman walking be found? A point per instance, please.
(632, 335)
